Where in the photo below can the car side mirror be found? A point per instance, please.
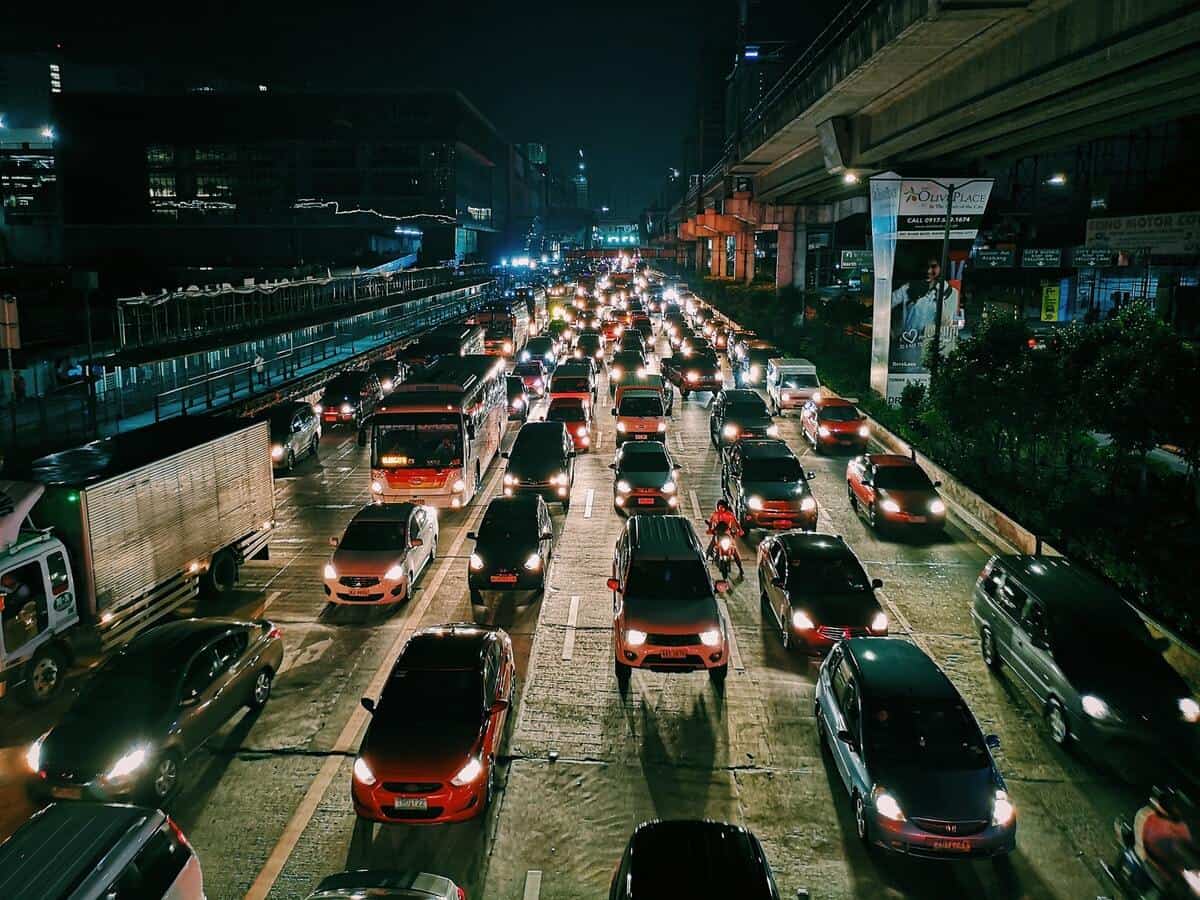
(937, 484)
(499, 706)
(676, 466)
(471, 536)
(504, 454)
(876, 582)
(614, 585)
(722, 586)
(613, 466)
(547, 536)
(613, 411)
(368, 704)
(416, 542)
(992, 741)
(811, 474)
(333, 542)
(848, 739)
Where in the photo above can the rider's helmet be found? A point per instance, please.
(723, 504)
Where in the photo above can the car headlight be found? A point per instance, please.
(599, 354)
(823, 431)
(1003, 811)
(726, 543)
(785, 396)
(864, 431)
(508, 346)
(755, 371)
(33, 755)
(616, 371)
(377, 486)
(347, 409)
(518, 403)
(801, 621)
(710, 638)
(624, 486)
(476, 562)
(755, 503)
(693, 376)
(879, 623)
(581, 431)
(729, 431)
(276, 451)
(387, 385)
(1095, 707)
(468, 773)
(510, 479)
(662, 426)
(937, 507)
(459, 486)
(668, 487)
(808, 504)
(318, 409)
(330, 571)
(621, 426)
(533, 562)
(363, 773)
(1189, 709)
(560, 478)
(772, 430)
(634, 637)
(887, 805)
(720, 376)
(889, 505)
(395, 573)
(642, 372)
(127, 764)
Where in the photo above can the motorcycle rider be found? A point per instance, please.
(1164, 837)
(723, 521)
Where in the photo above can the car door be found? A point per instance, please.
(233, 680)
(495, 681)
(838, 692)
(418, 557)
(777, 571)
(1033, 650)
(199, 715)
(864, 483)
(545, 526)
(1005, 601)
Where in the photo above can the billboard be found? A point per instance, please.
(908, 225)
(1164, 234)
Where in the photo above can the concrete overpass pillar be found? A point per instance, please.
(718, 256)
(792, 256)
(743, 262)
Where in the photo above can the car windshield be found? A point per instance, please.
(133, 685)
(565, 412)
(778, 468)
(375, 535)
(929, 734)
(838, 414)
(342, 387)
(653, 581)
(645, 462)
(800, 380)
(527, 368)
(640, 406)
(540, 441)
(570, 385)
(902, 478)
(839, 575)
(419, 441)
(425, 694)
(747, 409)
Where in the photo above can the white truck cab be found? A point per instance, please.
(38, 600)
(791, 382)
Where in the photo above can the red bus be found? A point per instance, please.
(432, 438)
(506, 327)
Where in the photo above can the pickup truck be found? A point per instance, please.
(698, 372)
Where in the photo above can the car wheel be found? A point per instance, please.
(1056, 721)
(623, 673)
(163, 779)
(987, 649)
(43, 676)
(860, 819)
(260, 693)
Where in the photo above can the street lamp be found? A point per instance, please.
(1058, 179)
(849, 178)
(48, 132)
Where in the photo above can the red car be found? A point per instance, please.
(533, 373)
(576, 414)
(893, 490)
(834, 422)
(429, 752)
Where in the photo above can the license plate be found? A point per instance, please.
(917, 519)
(640, 437)
(411, 803)
(645, 501)
(67, 793)
(504, 579)
(959, 846)
(785, 523)
(673, 652)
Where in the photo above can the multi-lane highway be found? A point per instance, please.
(267, 803)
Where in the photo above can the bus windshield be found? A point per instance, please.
(420, 440)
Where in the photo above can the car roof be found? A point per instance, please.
(736, 395)
(891, 459)
(663, 537)
(697, 857)
(536, 428)
(813, 544)
(894, 667)
(824, 401)
(178, 641)
(635, 447)
(792, 362)
(56, 850)
(764, 448)
(455, 645)
(384, 512)
(1061, 585)
(361, 883)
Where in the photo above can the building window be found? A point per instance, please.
(215, 153)
(160, 155)
(162, 185)
(55, 79)
(214, 187)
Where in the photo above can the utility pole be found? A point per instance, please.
(86, 281)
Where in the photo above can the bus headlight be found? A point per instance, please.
(377, 486)
(459, 486)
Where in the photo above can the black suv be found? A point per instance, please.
(519, 400)
(693, 858)
(350, 398)
(542, 462)
(817, 590)
(512, 549)
(767, 487)
(737, 414)
(752, 365)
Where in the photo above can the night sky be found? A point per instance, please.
(617, 78)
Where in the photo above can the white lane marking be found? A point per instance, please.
(348, 738)
(695, 504)
(533, 885)
(599, 439)
(306, 656)
(735, 655)
(679, 442)
(908, 629)
(271, 598)
(587, 503)
(569, 637)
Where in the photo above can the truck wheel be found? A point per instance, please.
(43, 676)
(221, 575)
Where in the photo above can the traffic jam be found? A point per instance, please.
(594, 569)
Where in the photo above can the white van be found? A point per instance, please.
(99, 851)
(791, 382)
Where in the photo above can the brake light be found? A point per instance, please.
(462, 894)
(273, 631)
(178, 832)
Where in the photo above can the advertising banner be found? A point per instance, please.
(908, 225)
(1164, 234)
(1050, 298)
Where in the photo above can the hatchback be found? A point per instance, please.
(892, 490)
(519, 400)
(576, 414)
(644, 478)
(832, 423)
(382, 553)
(738, 414)
(533, 374)
(542, 462)
(512, 549)
(767, 487)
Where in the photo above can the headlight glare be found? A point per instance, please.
(1003, 811)
(634, 637)
(937, 507)
(808, 504)
(476, 562)
(729, 431)
(468, 773)
(1189, 709)
(1094, 706)
(127, 764)
(711, 637)
(801, 620)
(533, 562)
(879, 623)
(330, 571)
(887, 805)
(624, 486)
(395, 573)
(889, 505)
(363, 773)
(755, 503)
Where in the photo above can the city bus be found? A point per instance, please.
(535, 301)
(459, 339)
(433, 437)
(505, 327)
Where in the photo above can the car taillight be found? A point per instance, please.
(273, 631)
(178, 832)
(462, 894)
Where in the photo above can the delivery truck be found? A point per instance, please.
(99, 542)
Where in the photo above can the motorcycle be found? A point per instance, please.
(1132, 877)
(724, 554)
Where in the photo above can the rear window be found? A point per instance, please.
(155, 868)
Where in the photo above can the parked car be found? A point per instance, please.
(429, 753)
(917, 768)
(892, 490)
(99, 851)
(384, 550)
(541, 461)
(767, 487)
(512, 549)
(1085, 656)
(737, 414)
(834, 423)
(665, 613)
(295, 433)
(133, 726)
(519, 400)
(661, 861)
(644, 478)
(386, 884)
(349, 398)
(576, 414)
(817, 591)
